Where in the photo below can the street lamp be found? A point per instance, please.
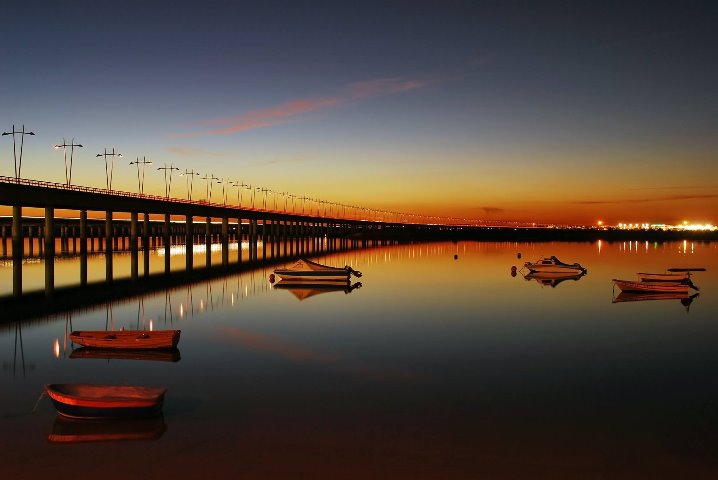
(190, 181)
(22, 134)
(209, 179)
(168, 177)
(109, 168)
(64, 145)
(141, 179)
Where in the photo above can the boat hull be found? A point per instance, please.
(308, 271)
(127, 339)
(664, 277)
(649, 287)
(106, 401)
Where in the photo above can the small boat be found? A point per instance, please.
(554, 265)
(306, 270)
(81, 400)
(127, 339)
(74, 430)
(552, 279)
(164, 355)
(664, 277)
(659, 287)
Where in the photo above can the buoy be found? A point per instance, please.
(456, 257)
(513, 269)
(271, 278)
(518, 255)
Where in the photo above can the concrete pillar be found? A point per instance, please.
(108, 246)
(225, 241)
(146, 231)
(17, 250)
(166, 241)
(4, 241)
(189, 242)
(49, 251)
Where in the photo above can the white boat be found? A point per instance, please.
(308, 271)
(664, 277)
(554, 265)
(671, 275)
(660, 287)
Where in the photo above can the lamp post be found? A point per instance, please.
(109, 168)
(64, 145)
(141, 178)
(209, 178)
(22, 133)
(189, 174)
(168, 177)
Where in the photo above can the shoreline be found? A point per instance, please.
(536, 235)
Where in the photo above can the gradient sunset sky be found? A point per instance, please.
(564, 112)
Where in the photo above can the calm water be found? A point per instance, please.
(437, 367)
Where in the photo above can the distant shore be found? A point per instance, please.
(538, 235)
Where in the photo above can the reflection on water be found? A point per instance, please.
(69, 430)
(441, 366)
(684, 298)
(552, 279)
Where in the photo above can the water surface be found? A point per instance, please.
(441, 365)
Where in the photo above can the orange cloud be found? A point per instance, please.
(294, 110)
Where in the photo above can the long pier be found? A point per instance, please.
(154, 222)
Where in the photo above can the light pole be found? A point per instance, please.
(141, 179)
(22, 133)
(168, 177)
(109, 168)
(189, 174)
(64, 145)
(209, 178)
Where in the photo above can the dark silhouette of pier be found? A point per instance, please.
(155, 223)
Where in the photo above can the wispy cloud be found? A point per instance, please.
(298, 109)
(492, 210)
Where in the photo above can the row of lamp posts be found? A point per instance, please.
(109, 157)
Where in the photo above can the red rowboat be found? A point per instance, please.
(127, 339)
(80, 400)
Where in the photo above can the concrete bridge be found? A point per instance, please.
(127, 221)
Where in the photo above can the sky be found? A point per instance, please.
(559, 112)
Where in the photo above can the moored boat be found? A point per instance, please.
(662, 287)
(554, 265)
(306, 270)
(127, 339)
(664, 277)
(82, 400)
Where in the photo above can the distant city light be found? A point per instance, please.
(685, 226)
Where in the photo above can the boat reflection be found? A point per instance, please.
(172, 355)
(70, 430)
(684, 298)
(303, 290)
(552, 279)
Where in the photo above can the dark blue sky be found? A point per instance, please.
(417, 104)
